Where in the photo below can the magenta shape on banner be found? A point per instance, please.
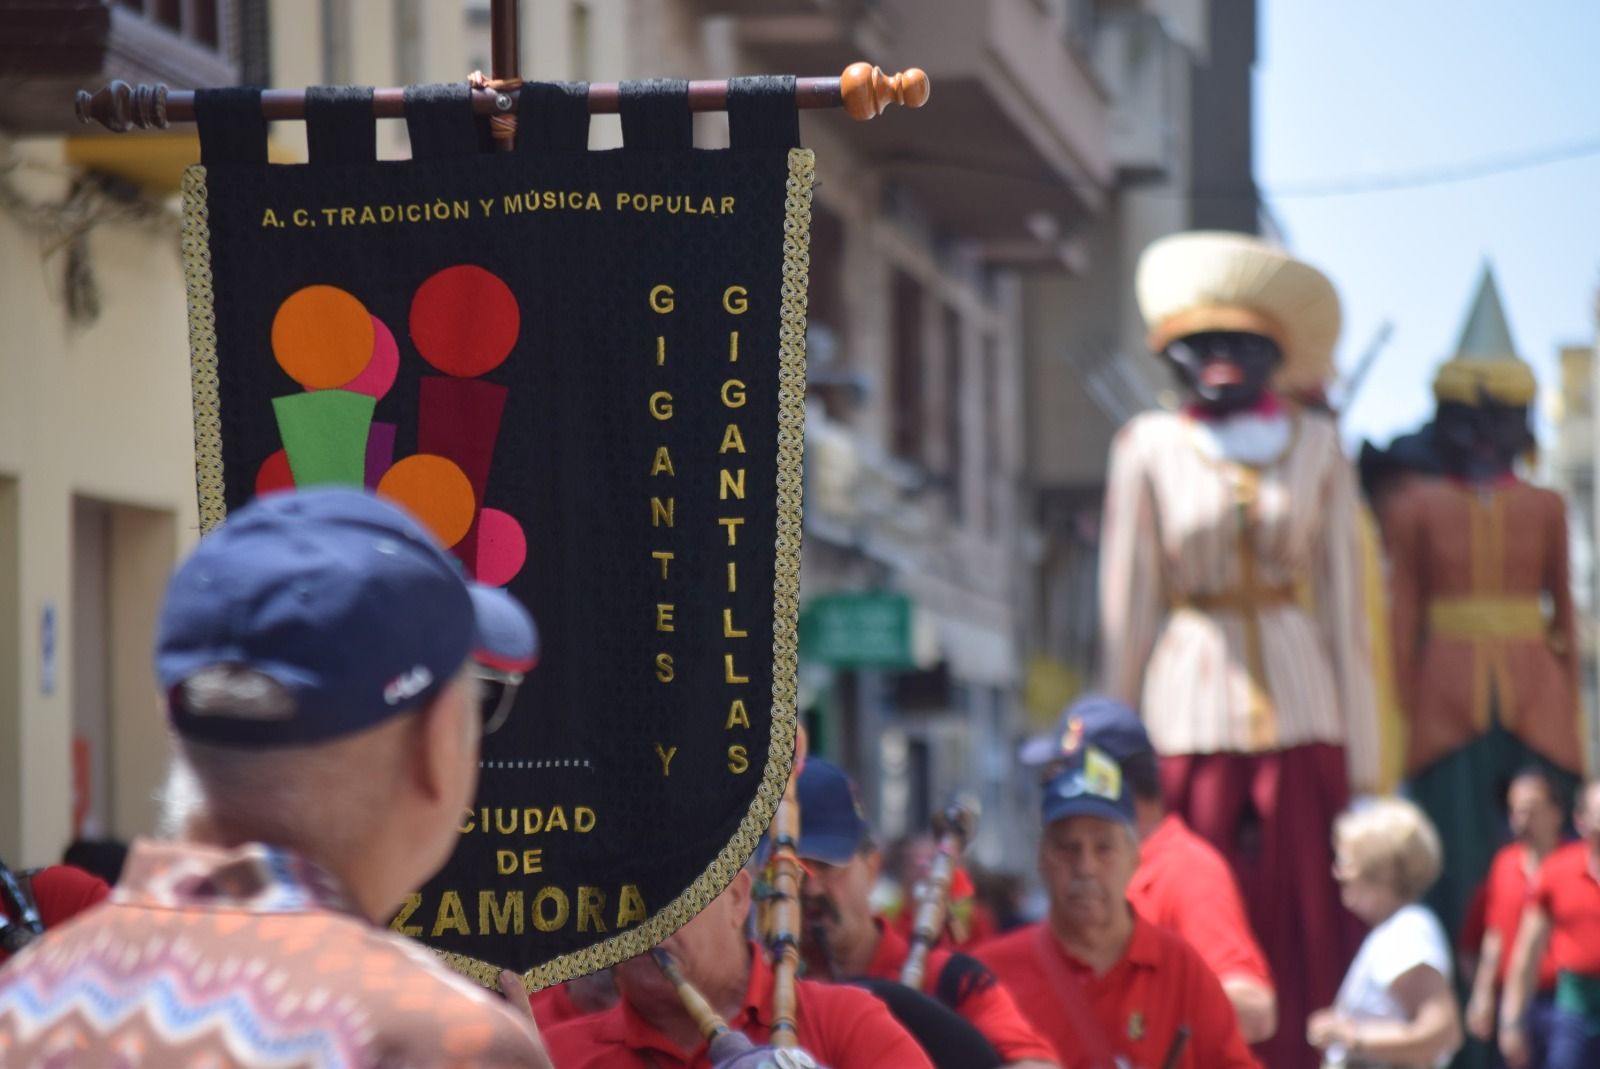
(378, 376)
(502, 547)
(460, 419)
(380, 452)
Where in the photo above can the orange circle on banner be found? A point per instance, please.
(322, 336)
(435, 491)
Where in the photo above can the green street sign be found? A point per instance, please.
(857, 630)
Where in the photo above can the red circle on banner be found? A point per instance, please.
(464, 320)
(274, 474)
(502, 547)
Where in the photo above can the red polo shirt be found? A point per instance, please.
(1569, 894)
(1161, 983)
(552, 1006)
(1505, 893)
(979, 998)
(61, 892)
(1184, 885)
(843, 1027)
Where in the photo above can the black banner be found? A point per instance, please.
(584, 370)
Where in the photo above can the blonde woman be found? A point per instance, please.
(1395, 1007)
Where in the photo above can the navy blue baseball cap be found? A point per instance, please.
(1092, 720)
(1088, 783)
(833, 825)
(342, 598)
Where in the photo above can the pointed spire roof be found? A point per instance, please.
(1486, 335)
(1486, 367)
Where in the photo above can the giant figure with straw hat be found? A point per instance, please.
(1231, 594)
(1483, 627)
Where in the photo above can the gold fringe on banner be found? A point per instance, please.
(202, 350)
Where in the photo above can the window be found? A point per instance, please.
(199, 21)
(954, 384)
(906, 431)
(993, 466)
(580, 45)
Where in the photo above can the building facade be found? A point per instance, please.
(97, 477)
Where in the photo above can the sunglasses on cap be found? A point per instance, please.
(497, 693)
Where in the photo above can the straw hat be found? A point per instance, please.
(1214, 280)
(1486, 365)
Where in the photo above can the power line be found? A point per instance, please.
(1438, 176)
(1417, 179)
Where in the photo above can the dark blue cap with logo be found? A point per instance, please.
(833, 825)
(342, 598)
(1095, 736)
(1096, 718)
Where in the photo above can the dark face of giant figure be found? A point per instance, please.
(1481, 441)
(1224, 371)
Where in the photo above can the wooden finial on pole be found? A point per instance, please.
(867, 90)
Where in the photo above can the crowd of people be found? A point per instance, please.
(256, 937)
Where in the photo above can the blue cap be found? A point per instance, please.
(833, 825)
(1093, 720)
(1088, 783)
(342, 598)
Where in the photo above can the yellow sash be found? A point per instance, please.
(1487, 618)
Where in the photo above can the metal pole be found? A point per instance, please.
(503, 40)
(503, 54)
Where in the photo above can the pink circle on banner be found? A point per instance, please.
(378, 376)
(502, 547)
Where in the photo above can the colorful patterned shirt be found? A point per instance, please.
(243, 958)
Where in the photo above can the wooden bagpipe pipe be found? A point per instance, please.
(947, 1038)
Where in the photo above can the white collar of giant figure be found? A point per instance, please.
(1256, 437)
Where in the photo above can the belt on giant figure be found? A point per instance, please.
(1240, 599)
(1488, 622)
(1481, 618)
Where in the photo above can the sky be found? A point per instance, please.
(1357, 93)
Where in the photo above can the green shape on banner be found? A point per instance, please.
(325, 434)
(858, 630)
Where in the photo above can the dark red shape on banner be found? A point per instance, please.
(460, 419)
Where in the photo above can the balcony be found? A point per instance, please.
(51, 48)
(1014, 150)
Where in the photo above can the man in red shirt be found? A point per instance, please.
(1535, 810)
(1182, 883)
(841, 1027)
(845, 941)
(1103, 984)
(1562, 913)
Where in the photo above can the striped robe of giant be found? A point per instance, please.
(1172, 538)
